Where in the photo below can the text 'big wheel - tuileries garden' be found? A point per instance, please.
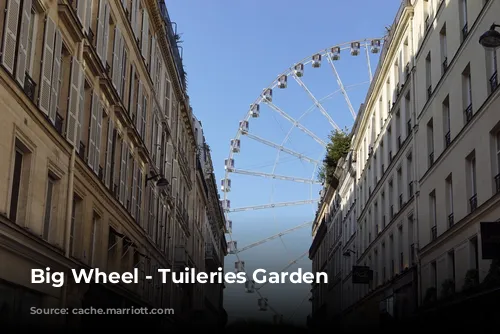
(271, 186)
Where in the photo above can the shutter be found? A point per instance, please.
(93, 125)
(73, 102)
(138, 213)
(23, 42)
(144, 115)
(127, 179)
(81, 107)
(100, 30)
(88, 15)
(80, 11)
(145, 35)
(133, 206)
(116, 58)
(158, 145)
(46, 72)
(56, 77)
(123, 170)
(139, 110)
(123, 70)
(132, 103)
(98, 136)
(133, 17)
(10, 35)
(109, 153)
(106, 33)
(152, 61)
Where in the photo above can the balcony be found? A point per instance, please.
(211, 256)
(413, 255)
(407, 70)
(473, 203)
(451, 220)
(29, 87)
(410, 189)
(429, 92)
(180, 256)
(468, 114)
(497, 184)
(494, 82)
(433, 233)
(445, 65)
(447, 139)
(59, 124)
(431, 159)
(465, 32)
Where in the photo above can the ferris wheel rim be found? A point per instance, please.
(290, 71)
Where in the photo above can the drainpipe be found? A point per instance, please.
(415, 167)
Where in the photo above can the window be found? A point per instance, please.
(20, 182)
(463, 18)
(467, 94)
(76, 220)
(492, 64)
(113, 240)
(446, 121)
(471, 180)
(430, 141)
(497, 148)
(93, 238)
(434, 278)
(48, 211)
(451, 265)
(444, 49)
(428, 75)
(433, 214)
(31, 45)
(409, 173)
(449, 200)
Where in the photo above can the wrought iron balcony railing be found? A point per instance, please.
(494, 82)
(29, 87)
(473, 203)
(451, 220)
(468, 113)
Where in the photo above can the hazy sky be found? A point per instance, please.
(234, 49)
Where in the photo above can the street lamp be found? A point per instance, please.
(348, 252)
(161, 182)
(491, 38)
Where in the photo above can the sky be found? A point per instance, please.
(232, 50)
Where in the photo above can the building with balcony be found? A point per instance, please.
(210, 221)
(99, 158)
(418, 200)
(458, 145)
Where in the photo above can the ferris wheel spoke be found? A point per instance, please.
(273, 205)
(368, 61)
(275, 176)
(316, 102)
(278, 235)
(282, 148)
(341, 85)
(296, 123)
(285, 268)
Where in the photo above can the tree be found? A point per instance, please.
(337, 148)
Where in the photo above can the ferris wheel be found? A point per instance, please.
(277, 150)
